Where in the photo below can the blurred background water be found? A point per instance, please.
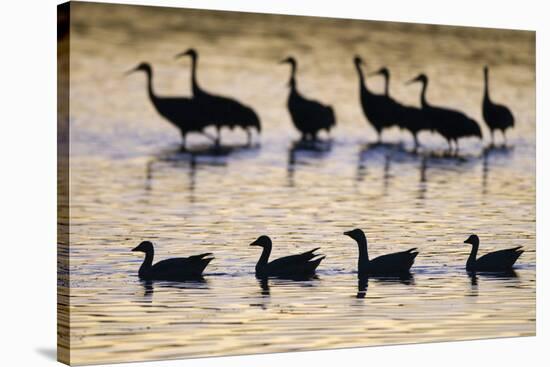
(128, 183)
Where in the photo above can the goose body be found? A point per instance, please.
(221, 111)
(308, 116)
(406, 117)
(175, 269)
(450, 124)
(380, 110)
(386, 265)
(293, 266)
(496, 116)
(497, 261)
(184, 113)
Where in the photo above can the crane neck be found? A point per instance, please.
(292, 81)
(150, 91)
(386, 85)
(194, 82)
(486, 84)
(361, 76)
(147, 262)
(423, 100)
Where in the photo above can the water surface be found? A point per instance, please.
(129, 183)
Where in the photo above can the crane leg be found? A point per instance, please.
(183, 148)
(415, 137)
(249, 137)
(218, 136)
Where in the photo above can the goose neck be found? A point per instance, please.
(264, 257)
(147, 262)
(363, 253)
(473, 255)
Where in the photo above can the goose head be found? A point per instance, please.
(358, 60)
(144, 66)
(422, 78)
(189, 52)
(473, 240)
(145, 246)
(356, 234)
(262, 241)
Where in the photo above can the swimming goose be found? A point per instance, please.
(301, 265)
(391, 264)
(498, 261)
(181, 268)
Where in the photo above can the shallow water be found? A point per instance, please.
(129, 183)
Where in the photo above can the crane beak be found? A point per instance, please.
(374, 73)
(181, 54)
(133, 70)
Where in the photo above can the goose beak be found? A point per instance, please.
(347, 233)
(411, 81)
(134, 249)
(255, 243)
(284, 61)
(467, 241)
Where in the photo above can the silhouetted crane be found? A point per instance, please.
(496, 116)
(182, 112)
(450, 124)
(308, 116)
(407, 117)
(375, 106)
(220, 110)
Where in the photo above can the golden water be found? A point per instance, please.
(128, 184)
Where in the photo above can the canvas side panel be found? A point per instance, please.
(63, 78)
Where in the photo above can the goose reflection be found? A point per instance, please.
(150, 285)
(363, 282)
(475, 276)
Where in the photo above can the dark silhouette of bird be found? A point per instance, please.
(176, 269)
(450, 124)
(406, 117)
(308, 116)
(219, 110)
(294, 266)
(496, 116)
(376, 108)
(498, 261)
(392, 264)
(181, 112)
